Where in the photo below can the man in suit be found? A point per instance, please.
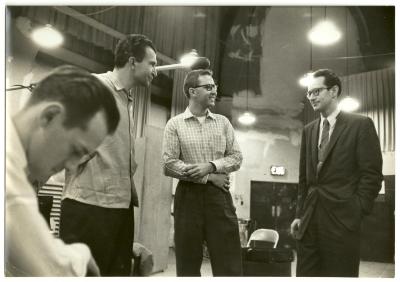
(340, 176)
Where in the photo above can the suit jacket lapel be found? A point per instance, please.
(337, 131)
(314, 143)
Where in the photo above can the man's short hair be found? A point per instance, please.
(81, 93)
(331, 79)
(133, 45)
(192, 79)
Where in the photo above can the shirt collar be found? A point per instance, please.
(17, 147)
(332, 117)
(188, 114)
(115, 82)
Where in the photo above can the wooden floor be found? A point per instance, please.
(367, 269)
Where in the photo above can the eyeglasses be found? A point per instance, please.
(315, 92)
(208, 87)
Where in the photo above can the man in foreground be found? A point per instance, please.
(68, 115)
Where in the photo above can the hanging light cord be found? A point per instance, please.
(347, 54)
(311, 45)
(248, 68)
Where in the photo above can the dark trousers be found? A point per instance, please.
(328, 249)
(203, 212)
(108, 232)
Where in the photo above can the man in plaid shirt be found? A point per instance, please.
(200, 149)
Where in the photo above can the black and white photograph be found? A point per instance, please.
(199, 139)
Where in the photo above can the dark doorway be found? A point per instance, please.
(273, 206)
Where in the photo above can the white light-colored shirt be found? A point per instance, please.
(189, 141)
(30, 249)
(106, 180)
(332, 122)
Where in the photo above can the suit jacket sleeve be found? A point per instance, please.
(302, 189)
(369, 159)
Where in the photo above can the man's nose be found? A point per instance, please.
(154, 71)
(311, 97)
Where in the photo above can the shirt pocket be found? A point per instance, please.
(219, 144)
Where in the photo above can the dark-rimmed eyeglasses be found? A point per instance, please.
(208, 87)
(315, 92)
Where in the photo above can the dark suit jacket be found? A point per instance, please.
(350, 177)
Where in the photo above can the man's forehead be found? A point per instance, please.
(206, 78)
(316, 82)
(150, 54)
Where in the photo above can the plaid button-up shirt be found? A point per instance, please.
(188, 141)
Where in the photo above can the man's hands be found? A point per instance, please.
(92, 268)
(198, 170)
(294, 227)
(202, 169)
(221, 181)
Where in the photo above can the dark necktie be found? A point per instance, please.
(324, 143)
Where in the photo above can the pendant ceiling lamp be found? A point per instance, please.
(324, 33)
(348, 104)
(47, 37)
(247, 118)
(305, 79)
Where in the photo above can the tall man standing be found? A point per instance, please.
(97, 206)
(200, 149)
(68, 115)
(340, 176)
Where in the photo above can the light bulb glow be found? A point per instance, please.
(188, 59)
(349, 104)
(247, 118)
(324, 33)
(47, 37)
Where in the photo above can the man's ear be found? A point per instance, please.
(191, 92)
(50, 113)
(335, 91)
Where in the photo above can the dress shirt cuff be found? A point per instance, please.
(214, 167)
(219, 165)
(78, 255)
(82, 255)
(204, 180)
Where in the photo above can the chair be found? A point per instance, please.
(269, 235)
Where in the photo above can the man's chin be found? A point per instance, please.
(316, 108)
(148, 82)
(143, 83)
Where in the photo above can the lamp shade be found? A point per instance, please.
(324, 33)
(349, 104)
(247, 118)
(47, 37)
